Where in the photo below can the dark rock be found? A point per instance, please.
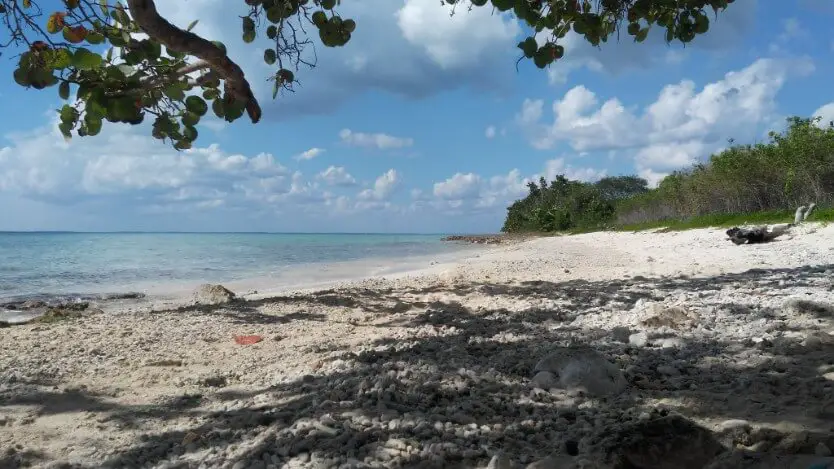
(667, 442)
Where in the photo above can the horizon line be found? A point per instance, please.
(239, 232)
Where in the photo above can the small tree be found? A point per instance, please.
(91, 50)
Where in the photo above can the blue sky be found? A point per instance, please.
(420, 124)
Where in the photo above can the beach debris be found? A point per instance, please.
(248, 339)
(168, 362)
(581, 369)
(764, 234)
(209, 294)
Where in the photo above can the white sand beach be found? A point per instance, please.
(666, 350)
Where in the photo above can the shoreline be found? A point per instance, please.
(154, 296)
(723, 349)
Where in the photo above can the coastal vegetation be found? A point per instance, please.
(758, 183)
(93, 52)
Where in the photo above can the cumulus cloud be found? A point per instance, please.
(127, 170)
(555, 167)
(309, 154)
(460, 186)
(411, 48)
(384, 186)
(826, 112)
(455, 41)
(490, 132)
(337, 176)
(681, 126)
(378, 141)
(470, 193)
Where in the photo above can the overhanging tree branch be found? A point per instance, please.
(144, 13)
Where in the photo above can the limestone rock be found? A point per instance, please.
(638, 339)
(583, 369)
(208, 294)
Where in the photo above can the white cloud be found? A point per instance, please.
(559, 166)
(379, 141)
(469, 193)
(458, 187)
(128, 172)
(792, 30)
(681, 126)
(457, 41)
(309, 154)
(384, 186)
(393, 49)
(826, 112)
(336, 176)
(490, 132)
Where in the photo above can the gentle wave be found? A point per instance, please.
(59, 265)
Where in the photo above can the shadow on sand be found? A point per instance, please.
(459, 390)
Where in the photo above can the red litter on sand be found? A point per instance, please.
(248, 339)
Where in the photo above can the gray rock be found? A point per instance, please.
(585, 370)
(545, 380)
(669, 342)
(668, 370)
(547, 463)
(621, 334)
(734, 424)
(822, 450)
(638, 339)
(208, 294)
(500, 461)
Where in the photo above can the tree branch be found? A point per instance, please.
(235, 83)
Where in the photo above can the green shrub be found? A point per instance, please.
(793, 168)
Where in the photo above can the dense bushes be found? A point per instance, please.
(793, 168)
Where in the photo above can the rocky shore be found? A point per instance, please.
(489, 238)
(607, 350)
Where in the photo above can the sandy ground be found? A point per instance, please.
(620, 350)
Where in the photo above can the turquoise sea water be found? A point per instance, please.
(44, 264)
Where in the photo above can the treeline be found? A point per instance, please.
(792, 168)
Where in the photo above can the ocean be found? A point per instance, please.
(42, 265)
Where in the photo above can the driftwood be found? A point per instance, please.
(763, 234)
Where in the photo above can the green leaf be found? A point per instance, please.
(92, 124)
(271, 31)
(190, 133)
(83, 59)
(182, 145)
(64, 90)
(21, 77)
(249, 36)
(269, 56)
(248, 24)
(174, 92)
(95, 37)
(217, 107)
(68, 113)
(59, 58)
(196, 105)
(66, 129)
(191, 25)
(190, 118)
